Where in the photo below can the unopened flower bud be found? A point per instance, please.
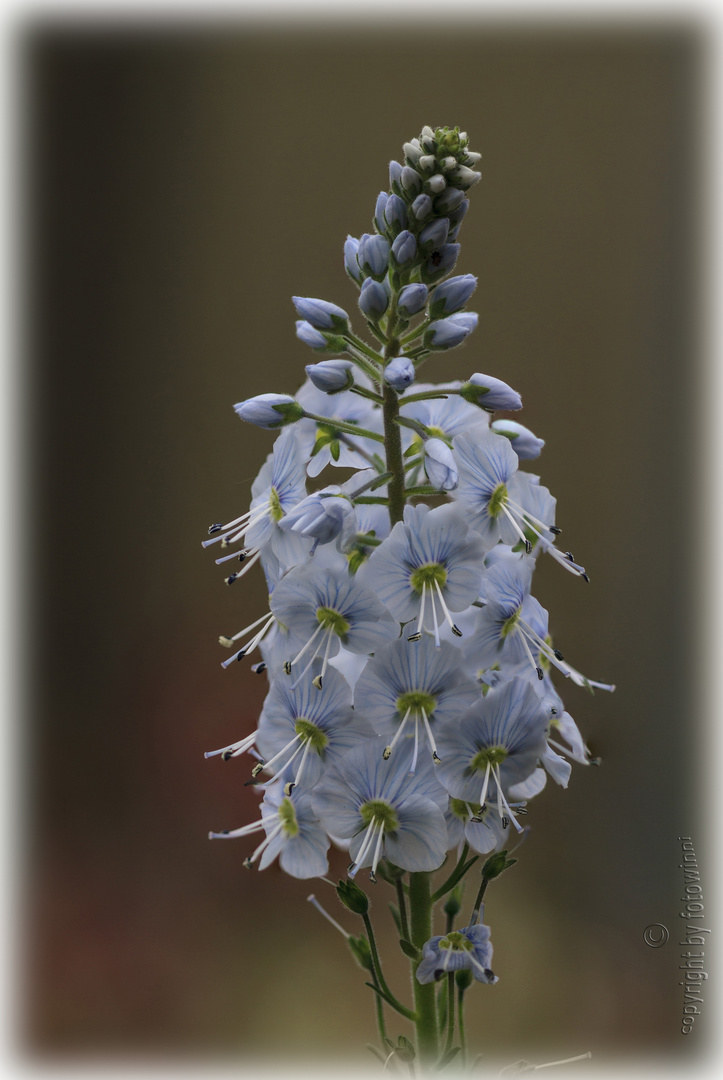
(434, 234)
(412, 299)
(427, 162)
(395, 215)
(269, 410)
(351, 246)
(452, 295)
(395, 177)
(465, 178)
(489, 393)
(440, 262)
(450, 332)
(411, 181)
(379, 223)
(325, 342)
(373, 299)
(422, 207)
(436, 184)
(353, 897)
(412, 152)
(449, 200)
(373, 256)
(331, 376)
(440, 466)
(526, 445)
(321, 314)
(399, 373)
(404, 248)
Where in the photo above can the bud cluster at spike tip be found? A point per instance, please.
(413, 707)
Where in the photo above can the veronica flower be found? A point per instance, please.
(293, 834)
(534, 507)
(279, 486)
(439, 465)
(431, 558)
(325, 610)
(324, 515)
(413, 690)
(383, 810)
(468, 949)
(301, 731)
(490, 488)
(495, 745)
(444, 417)
(481, 827)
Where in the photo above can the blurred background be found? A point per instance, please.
(180, 183)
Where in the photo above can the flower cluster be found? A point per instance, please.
(411, 709)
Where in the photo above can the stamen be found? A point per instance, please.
(523, 639)
(312, 900)
(377, 855)
(246, 629)
(388, 749)
(232, 834)
(455, 629)
(317, 681)
(267, 764)
(299, 655)
(435, 758)
(371, 829)
(518, 530)
(233, 749)
(416, 746)
(434, 616)
(330, 631)
(240, 573)
(264, 844)
(297, 778)
(420, 621)
(508, 808)
(483, 795)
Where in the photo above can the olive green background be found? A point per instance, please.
(180, 182)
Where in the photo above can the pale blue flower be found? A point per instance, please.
(444, 417)
(429, 559)
(326, 446)
(448, 201)
(495, 745)
(399, 373)
(414, 689)
(321, 313)
(278, 488)
(488, 485)
(468, 949)
(325, 609)
(301, 731)
(293, 834)
(526, 445)
(331, 376)
(384, 810)
(324, 516)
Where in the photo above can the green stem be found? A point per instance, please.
(450, 1011)
(369, 367)
(378, 972)
(363, 348)
(380, 1020)
(423, 395)
(341, 425)
(460, 1023)
(478, 902)
(363, 392)
(395, 463)
(421, 905)
(459, 871)
(402, 902)
(416, 332)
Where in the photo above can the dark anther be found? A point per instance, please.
(436, 258)
(584, 577)
(240, 654)
(528, 547)
(569, 555)
(231, 578)
(258, 767)
(415, 637)
(317, 682)
(540, 673)
(436, 758)
(227, 755)
(554, 529)
(457, 632)
(288, 788)
(241, 556)
(387, 753)
(259, 668)
(247, 864)
(215, 528)
(558, 654)
(372, 877)
(490, 974)
(287, 667)
(505, 821)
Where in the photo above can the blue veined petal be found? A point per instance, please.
(304, 856)
(420, 843)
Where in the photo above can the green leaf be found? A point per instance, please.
(409, 950)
